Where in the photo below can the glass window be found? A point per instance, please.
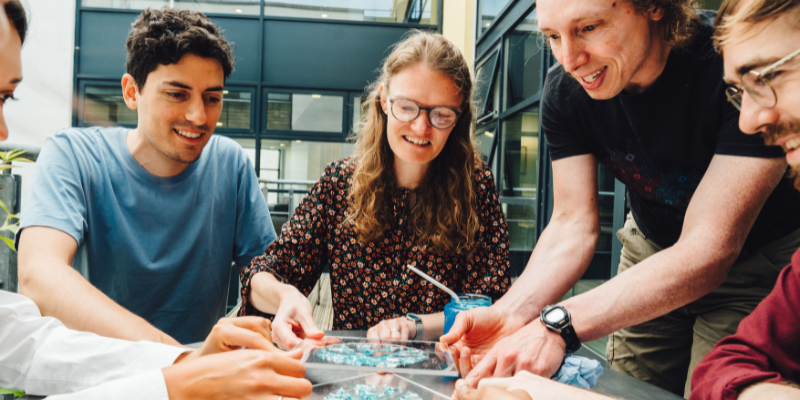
(486, 137)
(235, 109)
(104, 105)
(391, 11)
(484, 77)
(524, 60)
(520, 154)
(518, 159)
(250, 7)
(304, 112)
(489, 10)
(358, 101)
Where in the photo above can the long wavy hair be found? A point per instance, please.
(445, 216)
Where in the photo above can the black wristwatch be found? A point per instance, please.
(418, 322)
(556, 318)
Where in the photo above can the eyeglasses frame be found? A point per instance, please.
(419, 111)
(734, 94)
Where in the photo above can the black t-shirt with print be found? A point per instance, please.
(659, 143)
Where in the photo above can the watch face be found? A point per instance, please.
(555, 316)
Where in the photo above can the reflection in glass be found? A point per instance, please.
(483, 84)
(104, 105)
(245, 7)
(486, 137)
(304, 112)
(520, 154)
(489, 9)
(524, 51)
(235, 110)
(357, 102)
(389, 11)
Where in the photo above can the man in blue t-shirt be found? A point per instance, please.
(157, 214)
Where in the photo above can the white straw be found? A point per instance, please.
(435, 282)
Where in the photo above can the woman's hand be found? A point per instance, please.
(524, 385)
(465, 392)
(242, 374)
(293, 321)
(397, 329)
(234, 333)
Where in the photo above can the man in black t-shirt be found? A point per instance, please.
(639, 88)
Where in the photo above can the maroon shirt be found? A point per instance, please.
(369, 281)
(765, 348)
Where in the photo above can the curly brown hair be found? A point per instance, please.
(163, 37)
(445, 215)
(680, 20)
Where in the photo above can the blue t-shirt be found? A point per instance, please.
(160, 247)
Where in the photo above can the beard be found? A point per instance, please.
(775, 132)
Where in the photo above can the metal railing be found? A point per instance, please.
(287, 186)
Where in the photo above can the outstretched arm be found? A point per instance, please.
(47, 277)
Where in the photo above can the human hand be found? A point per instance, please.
(395, 329)
(533, 348)
(293, 321)
(234, 333)
(535, 386)
(475, 332)
(466, 392)
(242, 374)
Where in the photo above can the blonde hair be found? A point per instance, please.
(444, 217)
(732, 13)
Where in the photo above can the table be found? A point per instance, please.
(611, 383)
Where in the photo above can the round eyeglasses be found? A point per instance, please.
(440, 117)
(758, 85)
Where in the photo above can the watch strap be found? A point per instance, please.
(570, 339)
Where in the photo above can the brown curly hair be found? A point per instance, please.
(163, 37)
(445, 216)
(680, 20)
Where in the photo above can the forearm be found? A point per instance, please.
(772, 391)
(61, 292)
(432, 326)
(267, 292)
(560, 258)
(663, 282)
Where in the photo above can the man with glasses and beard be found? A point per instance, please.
(760, 42)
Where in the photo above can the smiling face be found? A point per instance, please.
(178, 107)
(10, 72)
(415, 144)
(604, 44)
(755, 48)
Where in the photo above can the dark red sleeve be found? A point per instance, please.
(765, 348)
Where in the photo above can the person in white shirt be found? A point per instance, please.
(40, 356)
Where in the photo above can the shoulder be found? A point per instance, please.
(84, 143)
(343, 168)
(702, 45)
(225, 147)
(483, 177)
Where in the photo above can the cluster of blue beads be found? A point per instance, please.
(370, 392)
(372, 355)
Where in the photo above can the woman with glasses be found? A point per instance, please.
(415, 192)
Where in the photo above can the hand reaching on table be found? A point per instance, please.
(533, 348)
(533, 386)
(234, 333)
(241, 374)
(395, 329)
(293, 321)
(474, 333)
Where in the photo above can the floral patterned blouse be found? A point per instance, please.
(369, 282)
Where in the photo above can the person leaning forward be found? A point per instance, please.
(639, 88)
(160, 211)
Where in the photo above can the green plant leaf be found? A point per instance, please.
(9, 242)
(3, 205)
(6, 166)
(16, 393)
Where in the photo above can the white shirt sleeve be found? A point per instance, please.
(147, 386)
(40, 356)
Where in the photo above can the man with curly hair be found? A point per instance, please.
(639, 88)
(152, 217)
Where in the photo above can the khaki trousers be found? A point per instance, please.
(665, 350)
